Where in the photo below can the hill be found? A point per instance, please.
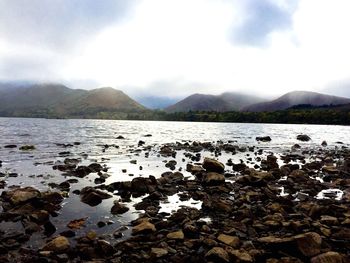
(60, 101)
(295, 98)
(227, 101)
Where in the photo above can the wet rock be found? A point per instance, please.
(328, 257)
(95, 167)
(212, 165)
(177, 235)
(213, 178)
(217, 254)
(21, 195)
(229, 240)
(158, 252)
(303, 138)
(144, 227)
(105, 248)
(263, 139)
(59, 244)
(93, 196)
(10, 146)
(119, 208)
(27, 148)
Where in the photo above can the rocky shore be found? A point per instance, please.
(284, 207)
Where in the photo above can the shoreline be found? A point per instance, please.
(245, 215)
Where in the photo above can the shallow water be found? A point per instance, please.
(33, 169)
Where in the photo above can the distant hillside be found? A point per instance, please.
(60, 101)
(156, 102)
(228, 101)
(295, 98)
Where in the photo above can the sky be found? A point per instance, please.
(178, 47)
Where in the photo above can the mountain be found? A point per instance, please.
(60, 101)
(227, 101)
(297, 98)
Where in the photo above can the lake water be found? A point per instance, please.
(34, 168)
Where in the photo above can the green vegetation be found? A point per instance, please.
(307, 115)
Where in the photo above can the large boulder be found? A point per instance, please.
(213, 178)
(21, 195)
(212, 165)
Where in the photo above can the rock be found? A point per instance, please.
(59, 244)
(212, 165)
(328, 257)
(22, 195)
(105, 247)
(329, 220)
(143, 228)
(140, 184)
(217, 254)
(263, 139)
(240, 255)
(10, 146)
(229, 240)
(330, 170)
(309, 244)
(27, 148)
(324, 144)
(213, 178)
(176, 235)
(158, 252)
(303, 138)
(119, 208)
(92, 196)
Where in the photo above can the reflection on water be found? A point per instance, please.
(126, 158)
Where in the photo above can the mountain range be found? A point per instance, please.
(56, 100)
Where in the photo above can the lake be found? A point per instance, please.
(115, 143)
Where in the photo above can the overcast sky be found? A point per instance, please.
(178, 47)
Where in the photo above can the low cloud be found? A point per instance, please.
(259, 19)
(58, 24)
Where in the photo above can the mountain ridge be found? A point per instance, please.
(295, 98)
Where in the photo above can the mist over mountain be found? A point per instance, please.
(297, 98)
(156, 102)
(228, 101)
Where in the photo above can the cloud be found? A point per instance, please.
(259, 18)
(58, 24)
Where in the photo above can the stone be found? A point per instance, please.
(58, 245)
(212, 165)
(229, 240)
(22, 195)
(303, 138)
(143, 228)
(328, 257)
(329, 220)
(309, 244)
(217, 254)
(241, 255)
(158, 252)
(119, 208)
(177, 235)
(27, 148)
(263, 139)
(213, 178)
